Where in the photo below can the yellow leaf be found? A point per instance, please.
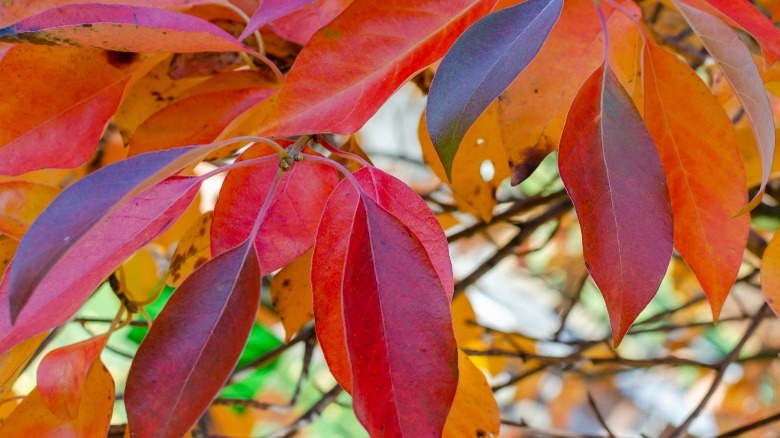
(142, 278)
(463, 320)
(176, 232)
(193, 250)
(481, 151)
(291, 295)
(20, 203)
(13, 361)
(33, 419)
(474, 411)
(770, 273)
(7, 250)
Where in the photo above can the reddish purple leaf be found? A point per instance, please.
(290, 225)
(91, 259)
(611, 169)
(79, 209)
(480, 65)
(123, 28)
(396, 310)
(193, 345)
(270, 10)
(755, 23)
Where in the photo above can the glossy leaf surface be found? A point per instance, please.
(89, 261)
(327, 93)
(480, 65)
(290, 225)
(329, 262)
(122, 28)
(193, 345)
(611, 170)
(734, 59)
(704, 173)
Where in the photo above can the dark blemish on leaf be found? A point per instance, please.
(200, 261)
(286, 282)
(87, 25)
(331, 33)
(120, 59)
(481, 433)
(536, 91)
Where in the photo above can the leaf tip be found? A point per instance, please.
(750, 205)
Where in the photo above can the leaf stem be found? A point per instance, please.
(604, 30)
(237, 165)
(336, 165)
(336, 151)
(622, 10)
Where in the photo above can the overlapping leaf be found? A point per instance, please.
(193, 345)
(474, 410)
(289, 228)
(270, 10)
(79, 209)
(193, 250)
(325, 92)
(734, 59)
(329, 262)
(704, 171)
(533, 109)
(32, 418)
(122, 28)
(480, 65)
(611, 170)
(301, 25)
(770, 273)
(70, 280)
(62, 376)
(20, 203)
(374, 268)
(55, 103)
(754, 23)
(291, 295)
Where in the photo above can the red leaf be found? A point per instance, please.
(89, 261)
(270, 10)
(63, 373)
(290, 225)
(193, 345)
(55, 103)
(706, 177)
(755, 23)
(611, 169)
(326, 92)
(123, 28)
(395, 288)
(302, 24)
(79, 209)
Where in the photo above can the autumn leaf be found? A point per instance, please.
(193, 250)
(474, 409)
(62, 376)
(289, 228)
(301, 25)
(327, 93)
(480, 65)
(381, 311)
(532, 111)
(91, 259)
(270, 10)
(754, 23)
(738, 67)
(121, 28)
(13, 362)
(20, 203)
(55, 103)
(80, 208)
(770, 273)
(193, 345)
(329, 262)
(291, 295)
(481, 146)
(32, 417)
(611, 170)
(704, 173)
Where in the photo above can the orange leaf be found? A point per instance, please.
(474, 411)
(193, 250)
(291, 294)
(481, 146)
(20, 203)
(13, 361)
(33, 419)
(62, 376)
(704, 172)
(770, 273)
